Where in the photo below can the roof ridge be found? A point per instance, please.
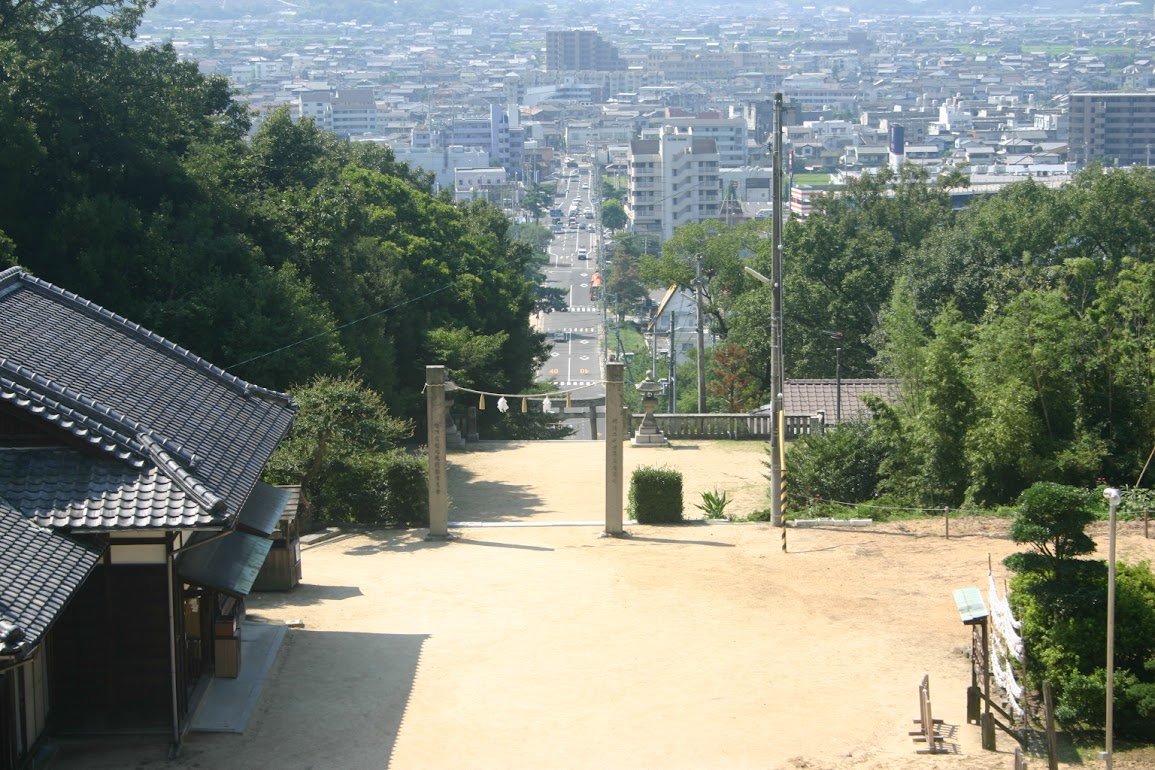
(47, 394)
(189, 484)
(75, 405)
(245, 388)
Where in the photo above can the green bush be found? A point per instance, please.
(406, 500)
(385, 488)
(1064, 628)
(762, 514)
(656, 496)
(838, 464)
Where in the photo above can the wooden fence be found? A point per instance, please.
(928, 726)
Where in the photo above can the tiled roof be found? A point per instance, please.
(137, 397)
(39, 572)
(62, 488)
(810, 397)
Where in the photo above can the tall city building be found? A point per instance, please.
(1114, 129)
(672, 180)
(573, 50)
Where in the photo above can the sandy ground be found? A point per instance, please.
(696, 646)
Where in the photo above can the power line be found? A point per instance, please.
(342, 326)
(356, 321)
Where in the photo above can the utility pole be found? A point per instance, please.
(776, 438)
(837, 337)
(673, 366)
(701, 339)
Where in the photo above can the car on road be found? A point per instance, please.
(583, 254)
(560, 336)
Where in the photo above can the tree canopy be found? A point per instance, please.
(1017, 326)
(280, 253)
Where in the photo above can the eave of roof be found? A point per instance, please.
(40, 570)
(68, 489)
(134, 394)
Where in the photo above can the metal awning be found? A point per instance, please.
(227, 563)
(263, 509)
(669, 295)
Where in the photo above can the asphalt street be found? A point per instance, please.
(576, 333)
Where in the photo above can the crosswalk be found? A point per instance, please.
(583, 309)
(576, 329)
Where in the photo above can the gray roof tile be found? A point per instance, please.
(61, 487)
(39, 572)
(810, 397)
(178, 420)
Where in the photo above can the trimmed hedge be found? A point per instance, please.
(656, 496)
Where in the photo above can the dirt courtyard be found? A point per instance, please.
(693, 647)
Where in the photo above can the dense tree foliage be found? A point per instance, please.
(613, 214)
(343, 452)
(1061, 600)
(1017, 326)
(282, 254)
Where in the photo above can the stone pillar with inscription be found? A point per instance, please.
(438, 476)
(615, 438)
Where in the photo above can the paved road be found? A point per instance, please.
(576, 358)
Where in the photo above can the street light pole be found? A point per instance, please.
(673, 365)
(838, 385)
(777, 381)
(1113, 497)
(837, 337)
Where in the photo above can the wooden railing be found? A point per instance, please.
(736, 426)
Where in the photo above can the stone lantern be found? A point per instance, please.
(648, 433)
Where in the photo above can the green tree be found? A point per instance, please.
(750, 325)
(901, 343)
(719, 253)
(1061, 602)
(613, 214)
(841, 264)
(938, 429)
(1052, 519)
(623, 287)
(341, 433)
(838, 464)
(537, 200)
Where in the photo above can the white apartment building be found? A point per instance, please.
(345, 112)
(672, 180)
(257, 68)
(489, 184)
(644, 186)
(580, 135)
(443, 163)
(498, 132)
(730, 134)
